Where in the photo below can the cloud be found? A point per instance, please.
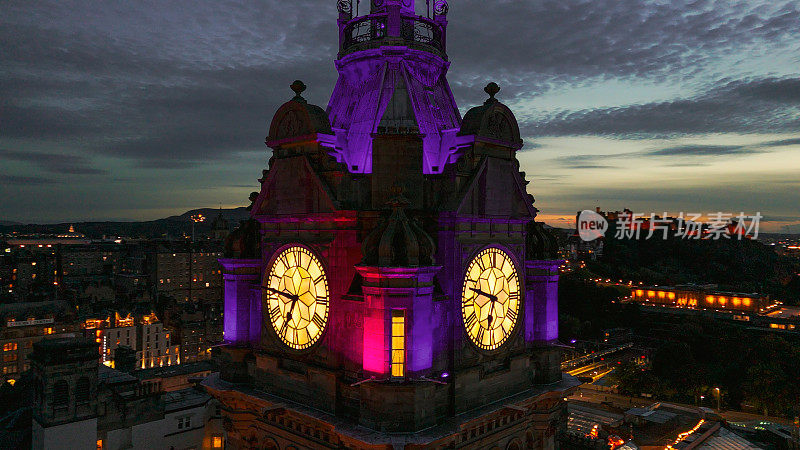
(533, 46)
(744, 106)
(688, 155)
(190, 85)
(781, 143)
(586, 161)
(54, 163)
(702, 150)
(25, 181)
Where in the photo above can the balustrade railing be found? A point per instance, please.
(372, 28)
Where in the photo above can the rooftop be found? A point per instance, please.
(177, 370)
(183, 399)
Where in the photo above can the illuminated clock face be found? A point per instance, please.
(296, 291)
(490, 298)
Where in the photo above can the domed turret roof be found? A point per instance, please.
(492, 120)
(297, 118)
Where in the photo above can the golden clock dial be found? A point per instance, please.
(296, 292)
(490, 298)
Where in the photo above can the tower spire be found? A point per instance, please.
(398, 58)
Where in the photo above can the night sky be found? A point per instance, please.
(141, 109)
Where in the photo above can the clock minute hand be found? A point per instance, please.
(492, 299)
(293, 298)
(489, 296)
(285, 294)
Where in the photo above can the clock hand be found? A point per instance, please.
(289, 313)
(293, 298)
(285, 294)
(492, 299)
(489, 296)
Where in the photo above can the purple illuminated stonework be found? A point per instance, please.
(394, 193)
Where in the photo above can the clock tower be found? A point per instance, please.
(392, 288)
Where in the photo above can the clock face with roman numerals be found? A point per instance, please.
(490, 299)
(296, 292)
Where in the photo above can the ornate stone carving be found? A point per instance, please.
(498, 127)
(345, 6)
(290, 125)
(398, 241)
(440, 7)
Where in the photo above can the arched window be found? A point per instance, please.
(60, 393)
(82, 389)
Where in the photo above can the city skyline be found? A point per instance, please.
(142, 111)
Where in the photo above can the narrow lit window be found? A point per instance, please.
(398, 343)
(217, 442)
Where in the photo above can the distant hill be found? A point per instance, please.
(231, 215)
(173, 226)
(8, 223)
(733, 265)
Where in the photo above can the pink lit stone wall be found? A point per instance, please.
(398, 288)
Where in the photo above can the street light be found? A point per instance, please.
(717, 393)
(195, 219)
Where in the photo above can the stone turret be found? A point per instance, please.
(65, 393)
(392, 81)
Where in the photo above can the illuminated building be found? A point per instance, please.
(392, 278)
(81, 404)
(698, 298)
(24, 324)
(147, 337)
(187, 273)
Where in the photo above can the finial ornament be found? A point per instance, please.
(298, 87)
(492, 89)
(345, 6)
(440, 7)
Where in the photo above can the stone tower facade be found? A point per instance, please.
(392, 288)
(65, 393)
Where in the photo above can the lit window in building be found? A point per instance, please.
(722, 300)
(651, 293)
(99, 444)
(746, 302)
(671, 295)
(710, 298)
(736, 301)
(640, 293)
(10, 347)
(216, 442)
(398, 343)
(661, 294)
